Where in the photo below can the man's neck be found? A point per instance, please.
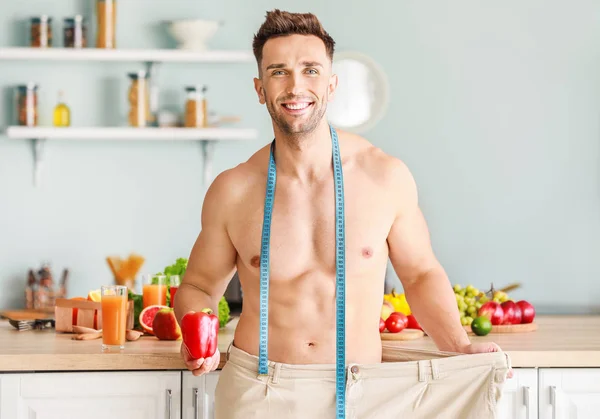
(306, 157)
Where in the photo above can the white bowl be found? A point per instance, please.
(193, 34)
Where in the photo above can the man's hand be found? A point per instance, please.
(484, 347)
(202, 365)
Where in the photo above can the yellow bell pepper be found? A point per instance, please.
(398, 301)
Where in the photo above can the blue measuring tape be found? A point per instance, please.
(340, 283)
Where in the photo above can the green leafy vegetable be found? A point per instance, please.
(223, 312)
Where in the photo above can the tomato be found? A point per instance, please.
(397, 322)
(381, 325)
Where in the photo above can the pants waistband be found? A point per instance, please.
(438, 364)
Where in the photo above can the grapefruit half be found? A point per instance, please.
(147, 317)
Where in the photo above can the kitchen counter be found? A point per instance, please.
(560, 341)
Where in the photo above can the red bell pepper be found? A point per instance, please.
(200, 330)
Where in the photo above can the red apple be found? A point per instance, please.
(381, 325)
(527, 310)
(413, 323)
(512, 312)
(493, 311)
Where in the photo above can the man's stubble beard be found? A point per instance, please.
(297, 132)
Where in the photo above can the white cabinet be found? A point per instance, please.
(198, 395)
(519, 395)
(569, 393)
(91, 395)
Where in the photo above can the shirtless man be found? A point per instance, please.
(383, 220)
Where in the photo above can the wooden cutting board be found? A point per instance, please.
(27, 314)
(406, 334)
(509, 328)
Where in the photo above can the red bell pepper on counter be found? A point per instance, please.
(200, 331)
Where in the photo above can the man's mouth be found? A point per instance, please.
(296, 108)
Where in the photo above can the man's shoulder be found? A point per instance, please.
(376, 163)
(231, 184)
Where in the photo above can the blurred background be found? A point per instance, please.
(494, 107)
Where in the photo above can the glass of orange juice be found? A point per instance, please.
(154, 291)
(114, 316)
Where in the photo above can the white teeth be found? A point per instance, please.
(297, 106)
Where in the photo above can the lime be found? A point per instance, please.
(481, 326)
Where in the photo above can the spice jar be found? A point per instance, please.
(195, 107)
(106, 15)
(139, 100)
(26, 106)
(75, 32)
(41, 32)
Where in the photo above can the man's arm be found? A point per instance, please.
(211, 264)
(426, 285)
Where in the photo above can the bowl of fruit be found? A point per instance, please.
(493, 311)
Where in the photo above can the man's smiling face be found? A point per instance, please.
(296, 82)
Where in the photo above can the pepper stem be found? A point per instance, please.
(207, 310)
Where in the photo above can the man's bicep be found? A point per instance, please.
(409, 241)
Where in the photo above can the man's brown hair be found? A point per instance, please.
(280, 23)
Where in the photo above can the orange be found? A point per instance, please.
(95, 296)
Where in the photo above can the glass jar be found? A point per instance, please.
(26, 105)
(195, 107)
(106, 15)
(41, 32)
(75, 32)
(139, 100)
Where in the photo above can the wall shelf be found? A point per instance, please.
(207, 136)
(124, 55)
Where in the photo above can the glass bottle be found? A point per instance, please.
(41, 32)
(195, 107)
(75, 32)
(62, 113)
(26, 106)
(139, 100)
(106, 15)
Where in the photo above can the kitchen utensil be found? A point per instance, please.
(24, 325)
(406, 334)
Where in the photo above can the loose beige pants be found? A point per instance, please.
(408, 384)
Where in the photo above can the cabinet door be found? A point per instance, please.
(198, 397)
(519, 395)
(569, 393)
(91, 395)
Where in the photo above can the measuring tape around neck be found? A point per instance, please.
(340, 267)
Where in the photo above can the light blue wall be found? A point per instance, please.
(494, 108)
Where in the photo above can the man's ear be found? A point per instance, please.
(333, 84)
(260, 91)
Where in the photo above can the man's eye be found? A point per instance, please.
(313, 71)
(278, 72)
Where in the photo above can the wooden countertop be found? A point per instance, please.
(560, 341)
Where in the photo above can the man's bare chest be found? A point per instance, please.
(303, 235)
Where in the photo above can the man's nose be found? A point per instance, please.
(295, 85)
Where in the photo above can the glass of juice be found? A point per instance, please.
(154, 291)
(114, 316)
(174, 282)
